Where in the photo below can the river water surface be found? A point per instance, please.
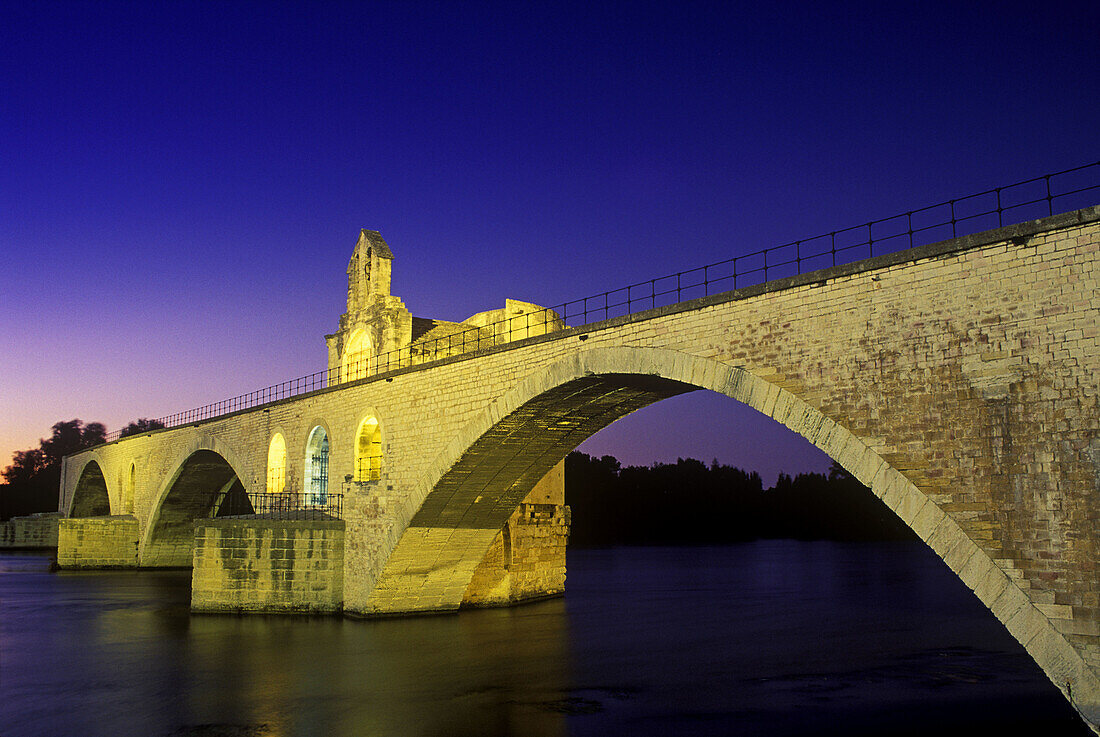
(764, 638)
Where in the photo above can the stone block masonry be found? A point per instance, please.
(33, 531)
(249, 564)
(98, 542)
(526, 560)
(960, 381)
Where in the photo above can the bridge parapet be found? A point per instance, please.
(959, 380)
(953, 225)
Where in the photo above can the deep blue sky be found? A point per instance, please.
(181, 184)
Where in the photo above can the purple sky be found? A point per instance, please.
(181, 184)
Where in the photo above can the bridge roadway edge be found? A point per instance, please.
(810, 278)
(1020, 588)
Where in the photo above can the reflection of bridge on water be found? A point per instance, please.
(958, 380)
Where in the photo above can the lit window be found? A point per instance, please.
(356, 357)
(276, 464)
(368, 450)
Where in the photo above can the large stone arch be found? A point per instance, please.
(204, 468)
(91, 495)
(468, 492)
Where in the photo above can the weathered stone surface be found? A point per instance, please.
(244, 564)
(98, 542)
(959, 379)
(33, 531)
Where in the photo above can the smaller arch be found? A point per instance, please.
(90, 497)
(316, 467)
(276, 464)
(356, 358)
(189, 445)
(368, 450)
(198, 488)
(128, 490)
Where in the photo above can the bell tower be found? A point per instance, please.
(376, 323)
(368, 271)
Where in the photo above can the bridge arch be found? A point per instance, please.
(91, 497)
(478, 480)
(205, 468)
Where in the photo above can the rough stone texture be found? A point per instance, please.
(98, 542)
(527, 557)
(32, 531)
(959, 380)
(245, 564)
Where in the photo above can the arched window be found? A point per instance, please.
(276, 464)
(356, 357)
(316, 474)
(368, 450)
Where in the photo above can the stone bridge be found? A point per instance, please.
(960, 381)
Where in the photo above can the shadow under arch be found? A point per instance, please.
(475, 484)
(90, 496)
(204, 477)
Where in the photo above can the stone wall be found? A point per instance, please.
(960, 381)
(32, 531)
(262, 565)
(527, 557)
(526, 560)
(98, 542)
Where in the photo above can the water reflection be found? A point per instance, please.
(768, 638)
(122, 655)
(431, 675)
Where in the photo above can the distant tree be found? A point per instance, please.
(25, 467)
(69, 437)
(690, 503)
(139, 426)
(34, 475)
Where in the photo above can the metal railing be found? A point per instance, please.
(279, 505)
(1028, 199)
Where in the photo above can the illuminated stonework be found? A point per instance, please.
(959, 381)
(276, 464)
(355, 361)
(368, 450)
(377, 333)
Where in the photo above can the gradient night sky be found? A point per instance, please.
(181, 184)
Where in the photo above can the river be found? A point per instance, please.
(772, 637)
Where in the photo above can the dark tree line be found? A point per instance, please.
(34, 476)
(689, 502)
